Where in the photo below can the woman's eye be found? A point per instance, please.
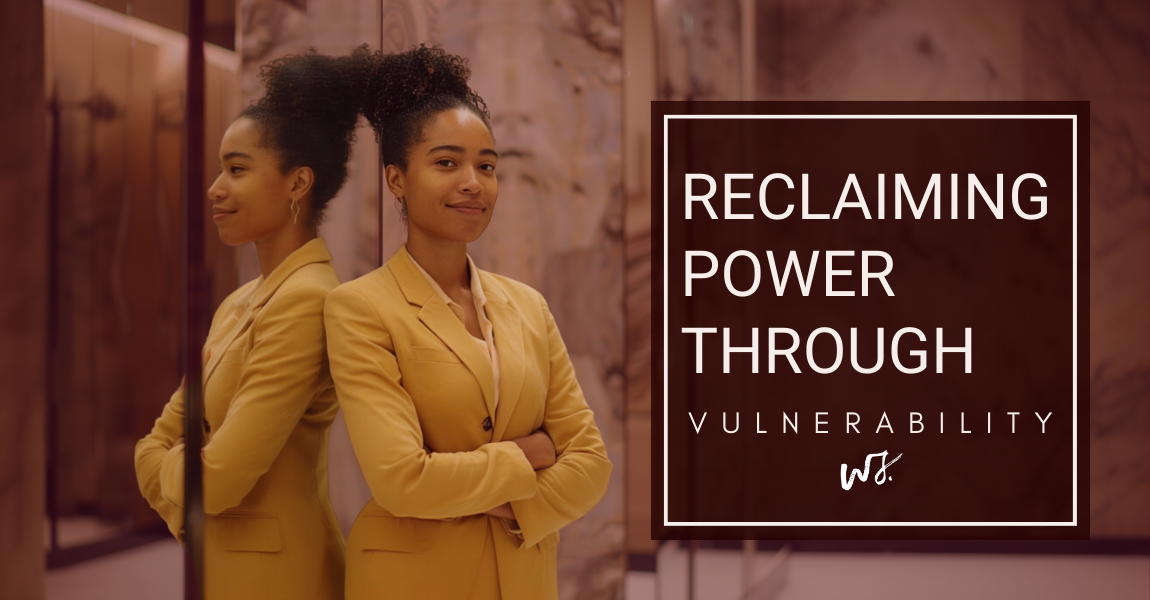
(487, 167)
(446, 162)
(234, 169)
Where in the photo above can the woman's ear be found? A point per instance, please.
(302, 180)
(395, 180)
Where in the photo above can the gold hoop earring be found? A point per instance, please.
(294, 212)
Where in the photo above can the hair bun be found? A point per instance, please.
(402, 83)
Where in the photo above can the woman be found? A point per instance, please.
(268, 397)
(460, 399)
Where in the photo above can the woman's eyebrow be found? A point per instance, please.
(231, 155)
(460, 150)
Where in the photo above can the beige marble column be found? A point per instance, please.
(638, 92)
(23, 352)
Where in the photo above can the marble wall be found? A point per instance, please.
(23, 352)
(985, 50)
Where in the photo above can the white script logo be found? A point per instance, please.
(879, 477)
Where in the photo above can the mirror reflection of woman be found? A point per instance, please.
(460, 398)
(268, 396)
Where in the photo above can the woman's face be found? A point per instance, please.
(449, 185)
(251, 198)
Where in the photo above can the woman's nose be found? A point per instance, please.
(216, 192)
(470, 183)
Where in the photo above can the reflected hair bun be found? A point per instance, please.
(308, 114)
(318, 86)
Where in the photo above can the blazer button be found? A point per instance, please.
(487, 424)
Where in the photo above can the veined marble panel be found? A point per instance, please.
(897, 50)
(698, 53)
(1086, 50)
(1097, 51)
(269, 29)
(1119, 323)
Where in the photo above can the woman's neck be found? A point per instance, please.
(446, 262)
(275, 249)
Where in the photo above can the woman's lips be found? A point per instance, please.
(220, 216)
(467, 210)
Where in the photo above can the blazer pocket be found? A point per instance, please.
(425, 354)
(548, 542)
(233, 355)
(396, 534)
(245, 532)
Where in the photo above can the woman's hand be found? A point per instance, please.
(503, 511)
(538, 448)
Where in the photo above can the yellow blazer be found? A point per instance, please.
(408, 375)
(268, 404)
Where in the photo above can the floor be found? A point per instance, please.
(151, 572)
(811, 576)
(155, 572)
(80, 530)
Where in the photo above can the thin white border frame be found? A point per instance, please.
(1074, 333)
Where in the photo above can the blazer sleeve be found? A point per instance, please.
(388, 440)
(280, 377)
(578, 479)
(157, 448)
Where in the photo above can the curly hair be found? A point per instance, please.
(405, 90)
(308, 114)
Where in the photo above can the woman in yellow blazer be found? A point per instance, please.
(454, 381)
(270, 532)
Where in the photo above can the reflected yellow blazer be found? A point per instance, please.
(408, 375)
(268, 404)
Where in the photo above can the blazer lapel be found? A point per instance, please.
(508, 326)
(312, 252)
(437, 316)
(220, 349)
(445, 325)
